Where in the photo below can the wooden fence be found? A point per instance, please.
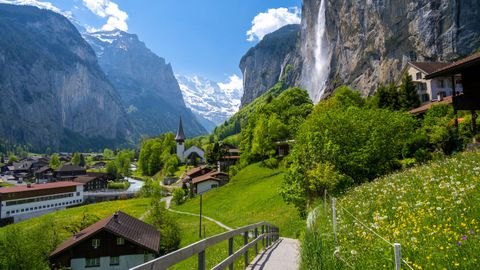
(263, 231)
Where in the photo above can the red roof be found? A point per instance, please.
(124, 225)
(456, 67)
(38, 187)
(208, 176)
(428, 67)
(426, 107)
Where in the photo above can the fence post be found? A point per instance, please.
(263, 238)
(256, 243)
(325, 201)
(334, 216)
(245, 242)
(230, 251)
(201, 260)
(398, 256)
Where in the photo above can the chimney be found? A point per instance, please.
(115, 217)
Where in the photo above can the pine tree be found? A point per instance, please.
(409, 98)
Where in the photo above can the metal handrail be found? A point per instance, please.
(269, 235)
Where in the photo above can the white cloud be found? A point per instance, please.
(234, 83)
(116, 18)
(272, 20)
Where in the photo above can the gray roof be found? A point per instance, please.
(180, 135)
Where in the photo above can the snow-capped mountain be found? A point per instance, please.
(208, 99)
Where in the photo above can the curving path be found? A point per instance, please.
(169, 199)
(283, 255)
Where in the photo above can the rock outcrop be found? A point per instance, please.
(145, 82)
(274, 58)
(53, 93)
(370, 41)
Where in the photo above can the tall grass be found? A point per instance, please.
(432, 211)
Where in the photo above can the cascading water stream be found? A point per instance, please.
(317, 69)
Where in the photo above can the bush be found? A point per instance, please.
(359, 143)
(271, 163)
(119, 185)
(167, 225)
(179, 196)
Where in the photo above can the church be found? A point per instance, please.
(191, 154)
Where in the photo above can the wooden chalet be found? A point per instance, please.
(69, 172)
(195, 172)
(44, 174)
(469, 70)
(94, 181)
(208, 181)
(119, 241)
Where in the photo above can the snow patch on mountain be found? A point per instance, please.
(211, 100)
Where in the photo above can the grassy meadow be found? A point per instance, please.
(431, 210)
(251, 196)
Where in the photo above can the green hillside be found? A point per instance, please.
(251, 196)
(432, 211)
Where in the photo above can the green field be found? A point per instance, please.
(65, 219)
(251, 196)
(432, 211)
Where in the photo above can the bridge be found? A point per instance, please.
(263, 239)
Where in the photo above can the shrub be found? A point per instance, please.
(119, 185)
(179, 196)
(271, 163)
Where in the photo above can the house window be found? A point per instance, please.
(95, 243)
(441, 83)
(92, 262)
(120, 241)
(214, 186)
(114, 260)
(419, 75)
(425, 97)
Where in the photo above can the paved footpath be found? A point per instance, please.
(283, 255)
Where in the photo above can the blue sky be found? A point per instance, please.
(201, 37)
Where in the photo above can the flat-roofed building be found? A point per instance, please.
(24, 202)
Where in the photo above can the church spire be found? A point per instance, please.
(180, 137)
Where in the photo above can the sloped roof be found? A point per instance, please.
(43, 169)
(426, 107)
(457, 66)
(84, 179)
(70, 168)
(208, 176)
(428, 67)
(195, 170)
(120, 224)
(180, 134)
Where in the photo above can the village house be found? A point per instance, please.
(44, 174)
(431, 89)
(209, 181)
(231, 156)
(68, 172)
(119, 241)
(94, 181)
(23, 202)
(194, 172)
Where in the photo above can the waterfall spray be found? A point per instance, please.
(316, 70)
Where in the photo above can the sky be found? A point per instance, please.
(198, 37)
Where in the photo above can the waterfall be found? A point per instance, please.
(316, 55)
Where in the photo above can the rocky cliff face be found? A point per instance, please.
(370, 41)
(145, 82)
(53, 93)
(275, 57)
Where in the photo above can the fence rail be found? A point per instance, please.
(269, 235)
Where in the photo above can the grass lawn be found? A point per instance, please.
(251, 196)
(433, 211)
(70, 217)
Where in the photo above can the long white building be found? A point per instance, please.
(24, 202)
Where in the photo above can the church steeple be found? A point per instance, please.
(180, 137)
